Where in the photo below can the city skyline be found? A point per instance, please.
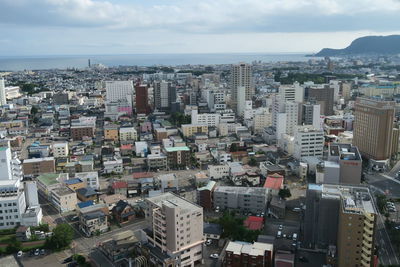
(74, 27)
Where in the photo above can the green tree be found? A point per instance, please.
(13, 247)
(381, 202)
(81, 260)
(61, 238)
(233, 147)
(284, 193)
(34, 110)
(253, 161)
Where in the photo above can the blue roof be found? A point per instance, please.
(85, 204)
(315, 187)
(73, 181)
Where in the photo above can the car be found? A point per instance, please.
(66, 260)
(31, 253)
(42, 252)
(75, 218)
(289, 236)
(280, 227)
(296, 209)
(279, 234)
(262, 214)
(303, 259)
(295, 237)
(37, 252)
(294, 244)
(214, 256)
(19, 254)
(284, 236)
(397, 227)
(208, 242)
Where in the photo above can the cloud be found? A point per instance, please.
(206, 16)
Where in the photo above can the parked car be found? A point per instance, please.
(214, 256)
(294, 236)
(42, 252)
(37, 252)
(279, 234)
(208, 242)
(303, 259)
(19, 254)
(66, 260)
(280, 227)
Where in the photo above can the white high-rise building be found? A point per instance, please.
(119, 91)
(3, 99)
(175, 229)
(308, 141)
(19, 203)
(209, 119)
(241, 79)
(293, 92)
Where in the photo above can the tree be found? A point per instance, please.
(34, 110)
(61, 238)
(81, 260)
(285, 193)
(13, 247)
(253, 161)
(233, 147)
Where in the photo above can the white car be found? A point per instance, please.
(208, 242)
(214, 256)
(280, 227)
(19, 254)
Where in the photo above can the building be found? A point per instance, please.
(3, 100)
(205, 195)
(119, 90)
(209, 119)
(373, 128)
(142, 99)
(241, 83)
(218, 171)
(127, 134)
(60, 150)
(178, 157)
(78, 133)
(38, 166)
(111, 132)
(274, 183)
(168, 182)
(91, 179)
(242, 254)
(86, 194)
(123, 212)
(63, 198)
(120, 247)
(157, 161)
(164, 95)
(212, 231)
(175, 230)
(246, 199)
(93, 219)
(190, 130)
(322, 95)
(341, 216)
(311, 115)
(308, 141)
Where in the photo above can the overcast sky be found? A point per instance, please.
(64, 27)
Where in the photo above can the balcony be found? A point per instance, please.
(365, 258)
(369, 216)
(364, 263)
(367, 230)
(366, 244)
(367, 237)
(369, 223)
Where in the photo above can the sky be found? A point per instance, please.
(94, 27)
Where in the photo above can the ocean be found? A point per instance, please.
(81, 61)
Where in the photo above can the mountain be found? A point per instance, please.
(373, 45)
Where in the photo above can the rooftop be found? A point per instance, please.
(48, 178)
(242, 190)
(171, 200)
(177, 148)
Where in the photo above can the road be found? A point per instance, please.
(384, 183)
(387, 255)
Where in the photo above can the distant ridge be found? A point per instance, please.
(368, 45)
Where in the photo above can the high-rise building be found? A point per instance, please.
(119, 90)
(164, 95)
(311, 115)
(142, 99)
(19, 203)
(175, 230)
(322, 95)
(241, 80)
(373, 128)
(341, 216)
(294, 92)
(3, 99)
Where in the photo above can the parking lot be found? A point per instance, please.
(213, 248)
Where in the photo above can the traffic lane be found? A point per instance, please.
(386, 245)
(384, 184)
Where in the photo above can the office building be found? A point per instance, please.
(373, 128)
(175, 230)
(164, 95)
(38, 166)
(322, 95)
(3, 99)
(341, 216)
(241, 82)
(60, 150)
(311, 115)
(209, 119)
(142, 99)
(294, 92)
(308, 141)
(190, 130)
(119, 91)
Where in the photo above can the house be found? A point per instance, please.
(111, 200)
(277, 207)
(123, 212)
(254, 223)
(119, 187)
(274, 183)
(212, 231)
(120, 247)
(93, 219)
(86, 193)
(169, 182)
(23, 233)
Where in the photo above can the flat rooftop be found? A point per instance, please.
(242, 190)
(171, 200)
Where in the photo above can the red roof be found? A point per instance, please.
(273, 183)
(119, 185)
(253, 223)
(138, 175)
(128, 146)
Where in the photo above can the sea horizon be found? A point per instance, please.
(43, 62)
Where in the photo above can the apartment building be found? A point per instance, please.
(189, 130)
(323, 95)
(209, 119)
(308, 141)
(93, 219)
(175, 230)
(78, 133)
(241, 80)
(240, 254)
(178, 156)
(218, 171)
(111, 132)
(247, 199)
(63, 198)
(127, 134)
(38, 166)
(60, 150)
